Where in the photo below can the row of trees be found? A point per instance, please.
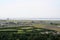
(55, 23)
(28, 36)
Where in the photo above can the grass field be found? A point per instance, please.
(28, 33)
(38, 31)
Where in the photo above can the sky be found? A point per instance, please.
(29, 9)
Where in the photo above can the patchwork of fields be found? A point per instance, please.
(29, 30)
(28, 33)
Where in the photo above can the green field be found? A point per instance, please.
(39, 30)
(28, 33)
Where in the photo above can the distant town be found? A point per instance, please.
(16, 23)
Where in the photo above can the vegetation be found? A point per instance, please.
(29, 33)
(29, 30)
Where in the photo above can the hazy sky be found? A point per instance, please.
(29, 8)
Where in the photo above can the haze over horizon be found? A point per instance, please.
(29, 9)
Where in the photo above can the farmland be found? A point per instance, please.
(28, 33)
(29, 30)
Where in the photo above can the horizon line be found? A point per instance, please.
(30, 19)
